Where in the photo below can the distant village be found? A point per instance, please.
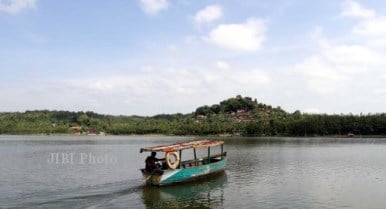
(78, 130)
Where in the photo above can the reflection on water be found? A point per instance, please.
(205, 193)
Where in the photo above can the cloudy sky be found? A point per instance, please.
(149, 57)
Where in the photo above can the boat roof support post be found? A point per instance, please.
(222, 151)
(180, 152)
(208, 155)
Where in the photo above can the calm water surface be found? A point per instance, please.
(103, 172)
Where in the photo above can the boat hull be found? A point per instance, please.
(184, 174)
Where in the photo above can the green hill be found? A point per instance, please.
(238, 115)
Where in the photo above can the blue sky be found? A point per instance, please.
(149, 57)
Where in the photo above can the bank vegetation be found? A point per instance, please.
(234, 116)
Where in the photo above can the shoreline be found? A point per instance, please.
(210, 136)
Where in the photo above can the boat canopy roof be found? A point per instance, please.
(182, 145)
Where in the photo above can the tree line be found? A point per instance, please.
(234, 116)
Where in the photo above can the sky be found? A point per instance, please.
(147, 57)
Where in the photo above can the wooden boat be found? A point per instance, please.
(175, 170)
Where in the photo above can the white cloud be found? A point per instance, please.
(253, 78)
(353, 58)
(320, 75)
(354, 9)
(147, 69)
(336, 67)
(222, 65)
(152, 7)
(312, 110)
(380, 91)
(317, 67)
(371, 25)
(208, 14)
(16, 6)
(343, 74)
(174, 90)
(247, 36)
(172, 48)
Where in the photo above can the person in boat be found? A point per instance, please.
(151, 162)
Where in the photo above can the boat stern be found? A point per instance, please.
(153, 179)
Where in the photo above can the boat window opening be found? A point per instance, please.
(187, 154)
(188, 158)
(216, 150)
(200, 156)
(201, 153)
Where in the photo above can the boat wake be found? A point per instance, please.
(81, 197)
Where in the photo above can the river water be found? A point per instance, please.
(103, 172)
